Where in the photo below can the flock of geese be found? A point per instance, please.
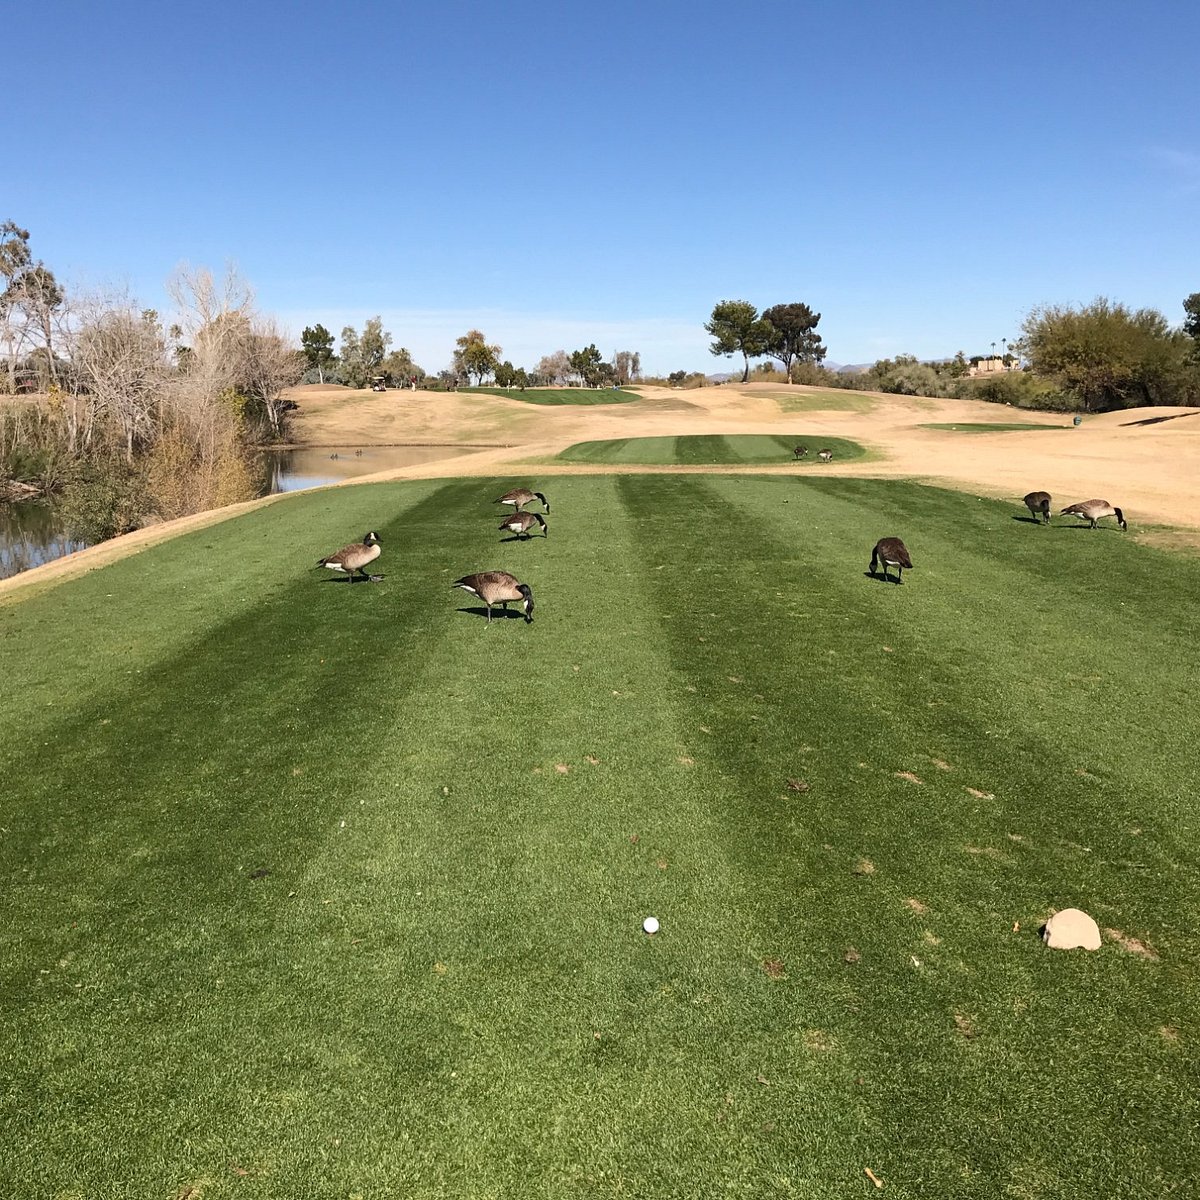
(1039, 503)
(892, 552)
(823, 455)
(503, 588)
(492, 587)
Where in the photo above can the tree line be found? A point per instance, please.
(1093, 358)
(141, 420)
(364, 360)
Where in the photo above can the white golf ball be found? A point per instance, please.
(650, 924)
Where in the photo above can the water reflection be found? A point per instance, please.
(292, 470)
(31, 534)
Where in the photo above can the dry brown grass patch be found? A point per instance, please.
(1131, 945)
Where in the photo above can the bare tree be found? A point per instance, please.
(627, 364)
(119, 357)
(555, 368)
(268, 365)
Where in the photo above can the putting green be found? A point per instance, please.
(712, 449)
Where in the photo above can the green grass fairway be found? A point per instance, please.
(711, 449)
(323, 890)
(559, 395)
(989, 427)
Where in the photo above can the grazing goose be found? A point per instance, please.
(351, 559)
(801, 452)
(498, 587)
(521, 523)
(891, 552)
(1039, 503)
(1093, 510)
(519, 497)
(825, 455)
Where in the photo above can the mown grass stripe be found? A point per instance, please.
(711, 449)
(407, 1002)
(858, 810)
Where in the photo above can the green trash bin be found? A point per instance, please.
(1076, 420)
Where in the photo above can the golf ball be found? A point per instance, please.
(650, 924)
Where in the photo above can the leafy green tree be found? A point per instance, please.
(587, 363)
(374, 345)
(362, 356)
(1191, 323)
(1108, 355)
(399, 369)
(473, 356)
(505, 373)
(14, 251)
(317, 344)
(351, 370)
(738, 329)
(793, 338)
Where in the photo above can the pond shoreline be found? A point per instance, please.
(32, 533)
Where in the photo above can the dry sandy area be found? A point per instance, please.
(1147, 465)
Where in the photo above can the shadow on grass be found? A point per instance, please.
(497, 613)
(869, 574)
(1029, 520)
(352, 579)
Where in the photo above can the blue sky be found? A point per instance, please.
(556, 174)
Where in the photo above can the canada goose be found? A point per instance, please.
(519, 497)
(521, 523)
(891, 552)
(352, 558)
(1039, 502)
(825, 455)
(498, 587)
(1093, 510)
(801, 452)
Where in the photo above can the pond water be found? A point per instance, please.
(32, 534)
(293, 470)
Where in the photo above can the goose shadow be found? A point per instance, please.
(516, 537)
(497, 612)
(1029, 520)
(871, 575)
(347, 579)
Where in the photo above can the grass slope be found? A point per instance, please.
(440, 988)
(710, 449)
(576, 396)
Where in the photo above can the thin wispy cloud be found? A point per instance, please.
(1182, 165)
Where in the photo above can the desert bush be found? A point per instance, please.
(1021, 389)
(102, 500)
